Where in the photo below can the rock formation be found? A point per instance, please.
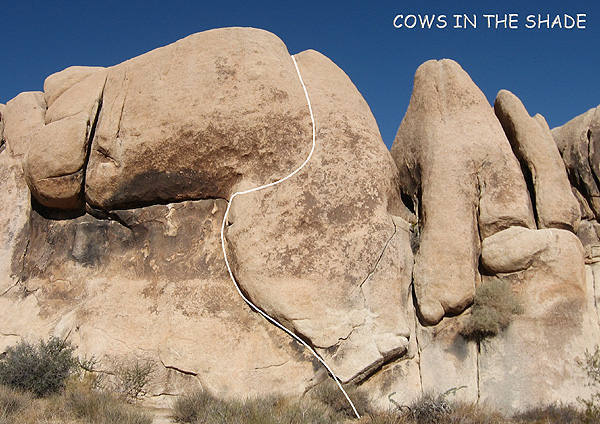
(455, 160)
(116, 180)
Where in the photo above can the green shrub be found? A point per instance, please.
(493, 309)
(41, 369)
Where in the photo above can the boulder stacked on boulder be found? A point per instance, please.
(116, 180)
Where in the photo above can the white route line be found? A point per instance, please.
(252, 305)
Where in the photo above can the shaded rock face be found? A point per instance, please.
(516, 371)
(578, 143)
(116, 181)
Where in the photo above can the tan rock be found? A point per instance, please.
(447, 360)
(541, 121)
(22, 116)
(331, 242)
(534, 146)
(82, 97)
(514, 249)
(534, 362)
(14, 219)
(2, 108)
(455, 159)
(327, 252)
(54, 163)
(231, 96)
(59, 82)
(588, 233)
(139, 283)
(579, 151)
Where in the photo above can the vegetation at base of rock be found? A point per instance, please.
(132, 377)
(329, 394)
(203, 408)
(493, 309)
(77, 404)
(40, 369)
(591, 365)
(556, 414)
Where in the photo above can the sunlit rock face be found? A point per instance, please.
(116, 181)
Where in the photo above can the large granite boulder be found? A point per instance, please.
(22, 116)
(130, 169)
(321, 250)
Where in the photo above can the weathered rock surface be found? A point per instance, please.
(56, 84)
(332, 242)
(130, 169)
(534, 146)
(14, 218)
(151, 283)
(455, 160)
(54, 165)
(578, 142)
(23, 115)
(231, 96)
(516, 370)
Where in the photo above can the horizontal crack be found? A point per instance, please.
(272, 366)
(174, 368)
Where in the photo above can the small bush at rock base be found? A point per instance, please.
(493, 308)
(132, 377)
(41, 369)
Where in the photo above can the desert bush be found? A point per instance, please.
(429, 409)
(132, 377)
(330, 395)
(493, 309)
(41, 369)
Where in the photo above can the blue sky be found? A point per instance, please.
(554, 72)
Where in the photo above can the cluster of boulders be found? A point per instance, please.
(116, 180)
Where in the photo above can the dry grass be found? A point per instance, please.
(77, 404)
(329, 394)
(203, 408)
